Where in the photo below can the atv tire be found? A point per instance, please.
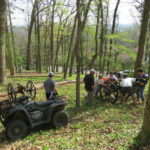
(60, 119)
(16, 129)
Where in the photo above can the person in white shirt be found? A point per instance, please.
(112, 76)
(98, 83)
(126, 90)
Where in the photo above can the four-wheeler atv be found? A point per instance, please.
(21, 114)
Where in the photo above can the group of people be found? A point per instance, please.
(128, 86)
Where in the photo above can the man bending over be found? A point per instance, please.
(126, 91)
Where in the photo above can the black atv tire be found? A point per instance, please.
(16, 129)
(60, 119)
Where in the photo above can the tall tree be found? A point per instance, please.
(101, 38)
(96, 34)
(77, 48)
(28, 61)
(14, 56)
(105, 39)
(84, 14)
(38, 40)
(145, 131)
(144, 135)
(70, 47)
(112, 32)
(142, 38)
(3, 8)
(52, 35)
(9, 52)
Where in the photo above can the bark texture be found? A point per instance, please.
(142, 37)
(3, 7)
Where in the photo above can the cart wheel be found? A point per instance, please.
(31, 89)
(103, 94)
(11, 92)
(113, 97)
(16, 129)
(60, 119)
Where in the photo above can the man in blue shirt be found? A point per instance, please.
(141, 83)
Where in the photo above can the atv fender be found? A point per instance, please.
(54, 107)
(20, 110)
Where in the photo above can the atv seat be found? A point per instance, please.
(44, 104)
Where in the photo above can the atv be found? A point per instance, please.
(21, 114)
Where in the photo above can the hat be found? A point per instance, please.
(140, 70)
(100, 75)
(51, 73)
(92, 70)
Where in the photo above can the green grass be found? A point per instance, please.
(102, 126)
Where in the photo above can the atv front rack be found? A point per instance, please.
(5, 105)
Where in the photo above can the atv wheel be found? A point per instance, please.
(60, 119)
(16, 129)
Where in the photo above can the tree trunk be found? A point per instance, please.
(145, 132)
(82, 55)
(9, 52)
(45, 44)
(80, 28)
(85, 14)
(59, 39)
(28, 61)
(112, 32)
(38, 43)
(3, 7)
(142, 37)
(149, 66)
(70, 48)
(77, 49)
(71, 64)
(52, 36)
(96, 36)
(12, 38)
(105, 40)
(101, 39)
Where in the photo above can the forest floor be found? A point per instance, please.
(101, 126)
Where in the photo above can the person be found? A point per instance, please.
(98, 83)
(126, 90)
(20, 69)
(111, 76)
(89, 86)
(50, 86)
(117, 73)
(141, 81)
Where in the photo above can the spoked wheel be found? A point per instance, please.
(31, 89)
(11, 92)
(108, 95)
(113, 97)
(104, 94)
